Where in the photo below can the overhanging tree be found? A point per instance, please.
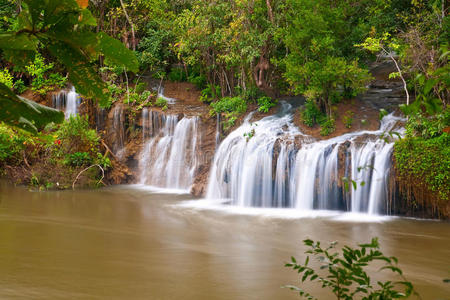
(61, 29)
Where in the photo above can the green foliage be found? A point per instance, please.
(310, 114)
(78, 159)
(136, 98)
(198, 80)
(161, 102)
(327, 127)
(6, 78)
(61, 28)
(76, 136)
(154, 52)
(383, 113)
(344, 273)
(210, 93)
(140, 87)
(177, 75)
(427, 127)
(19, 86)
(347, 119)
(229, 104)
(425, 162)
(43, 81)
(266, 103)
(423, 156)
(11, 143)
(321, 63)
(25, 114)
(230, 108)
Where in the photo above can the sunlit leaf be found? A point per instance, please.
(117, 53)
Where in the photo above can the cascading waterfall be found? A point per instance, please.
(169, 157)
(270, 163)
(67, 101)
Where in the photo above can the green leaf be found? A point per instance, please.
(20, 41)
(81, 73)
(87, 18)
(19, 58)
(24, 113)
(355, 185)
(35, 7)
(57, 10)
(117, 53)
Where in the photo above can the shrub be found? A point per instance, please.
(6, 78)
(76, 136)
(428, 127)
(347, 119)
(177, 75)
(138, 99)
(311, 114)
(42, 81)
(344, 274)
(327, 127)
(11, 143)
(198, 80)
(161, 102)
(229, 104)
(210, 93)
(78, 159)
(19, 86)
(140, 87)
(266, 103)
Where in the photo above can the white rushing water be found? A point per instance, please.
(270, 163)
(67, 101)
(169, 158)
(118, 128)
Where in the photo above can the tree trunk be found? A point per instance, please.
(133, 37)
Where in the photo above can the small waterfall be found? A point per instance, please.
(69, 102)
(160, 91)
(268, 168)
(169, 157)
(118, 125)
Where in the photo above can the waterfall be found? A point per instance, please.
(169, 157)
(118, 126)
(67, 101)
(270, 163)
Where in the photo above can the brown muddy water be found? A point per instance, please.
(128, 243)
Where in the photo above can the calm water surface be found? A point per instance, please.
(125, 243)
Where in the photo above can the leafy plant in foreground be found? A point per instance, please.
(62, 29)
(345, 275)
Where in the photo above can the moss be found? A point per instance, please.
(425, 164)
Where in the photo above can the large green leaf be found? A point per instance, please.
(117, 53)
(36, 7)
(81, 73)
(19, 58)
(20, 41)
(24, 113)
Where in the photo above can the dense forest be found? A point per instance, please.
(239, 54)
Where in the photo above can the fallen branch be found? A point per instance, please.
(96, 165)
(109, 150)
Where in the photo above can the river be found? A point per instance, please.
(126, 242)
